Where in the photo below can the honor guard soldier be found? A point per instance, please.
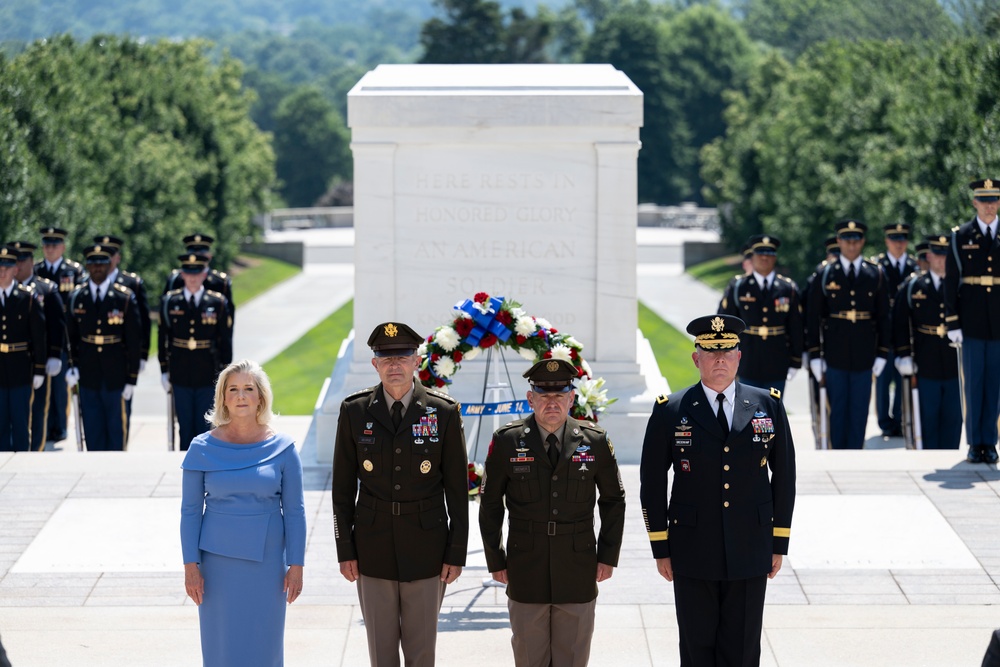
(400, 500)
(55, 336)
(195, 344)
(22, 354)
(769, 304)
(216, 281)
(897, 266)
(67, 275)
(848, 334)
(972, 304)
(724, 528)
(548, 471)
(921, 256)
(920, 338)
(104, 332)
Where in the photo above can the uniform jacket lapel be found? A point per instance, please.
(572, 438)
(743, 410)
(533, 439)
(378, 408)
(696, 404)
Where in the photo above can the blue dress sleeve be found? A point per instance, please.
(192, 510)
(293, 508)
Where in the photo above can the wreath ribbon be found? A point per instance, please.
(485, 322)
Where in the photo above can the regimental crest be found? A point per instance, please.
(390, 330)
(552, 366)
(718, 324)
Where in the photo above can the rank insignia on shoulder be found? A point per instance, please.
(775, 393)
(661, 399)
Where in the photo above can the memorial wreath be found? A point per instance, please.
(486, 321)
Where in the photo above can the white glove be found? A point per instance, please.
(128, 391)
(791, 374)
(36, 381)
(142, 365)
(955, 336)
(53, 366)
(905, 366)
(72, 376)
(817, 366)
(165, 381)
(878, 366)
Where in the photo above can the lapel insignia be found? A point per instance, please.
(368, 465)
(763, 461)
(685, 465)
(584, 467)
(369, 424)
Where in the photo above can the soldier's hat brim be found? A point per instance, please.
(551, 376)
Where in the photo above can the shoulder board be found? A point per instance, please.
(358, 394)
(517, 423)
(442, 396)
(661, 399)
(132, 274)
(591, 426)
(222, 274)
(955, 228)
(786, 279)
(774, 393)
(217, 295)
(44, 281)
(123, 288)
(27, 288)
(175, 292)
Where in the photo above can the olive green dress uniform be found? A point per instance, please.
(401, 510)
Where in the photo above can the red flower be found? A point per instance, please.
(504, 317)
(573, 354)
(464, 326)
(553, 330)
(580, 372)
(489, 340)
(424, 375)
(438, 382)
(521, 339)
(481, 297)
(547, 355)
(456, 356)
(435, 357)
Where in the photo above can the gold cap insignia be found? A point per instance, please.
(197, 238)
(942, 239)
(97, 248)
(851, 225)
(391, 330)
(192, 258)
(552, 366)
(767, 240)
(988, 183)
(718, 324)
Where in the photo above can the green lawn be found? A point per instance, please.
(718, 272)
(254, 274)
(297, 374)
(671, 347)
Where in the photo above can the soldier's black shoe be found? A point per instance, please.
(990, 454)
(975, 454)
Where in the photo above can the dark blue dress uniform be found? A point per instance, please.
(725, 516)
(772, 341)
(67, 275)
(972, 303)
(848, 327)
(217, 281)
(22, 356)
(195, 344)
(104, 339)
(889, 414)
(920, 332)
(55, 334)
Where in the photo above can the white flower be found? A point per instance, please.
(592, 397)
(543, 323)
(422, 350)
(527, 353)
(524, 326)
(572, 342)
(517, 312)
(560, 351)
(444, 367)
(447, 338)
(486, 307)
(586, 367)
(471, 354)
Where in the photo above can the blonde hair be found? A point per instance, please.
(219, 414)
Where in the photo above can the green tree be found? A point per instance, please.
(476, 31)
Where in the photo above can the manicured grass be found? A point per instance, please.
(671, 347)
(297, 374)
(255, 274)
(717, 272)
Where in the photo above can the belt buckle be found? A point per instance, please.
(4, 348)
(941, 331)
(192, 345)
(98, 340)
(395, 508)
(986, 281)
(763, 333)
(551, 529)
(852, 316)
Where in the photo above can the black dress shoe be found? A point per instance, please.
(975, 454)
(990, 454)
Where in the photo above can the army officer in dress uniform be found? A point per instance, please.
(104, 333)
(723, 530)
(769, 304)
(402, 533)
(216, 281)
(67, 275)
(548, 471)
(55, 338)
(848, 334)
(972, 303)
(920, 338)
(195, 343)
(22, 354)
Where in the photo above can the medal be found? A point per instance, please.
(367, 465)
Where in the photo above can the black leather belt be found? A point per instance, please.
(940, 330)
(551, 527)
(102, 340)
(397, 508)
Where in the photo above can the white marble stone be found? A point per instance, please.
(515, 180)
(882, 532)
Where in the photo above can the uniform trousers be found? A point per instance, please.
(40, 404)
(940, 413)
(58, 404)
(765, 384)
(981, 367)
(401, 613)
(556, 635)
(719, 622)
(15, 414)
(190, 406)
(849, 393)
(103, 412)
(889, 412)
(992, 657)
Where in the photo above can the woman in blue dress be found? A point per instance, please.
(243, 524)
